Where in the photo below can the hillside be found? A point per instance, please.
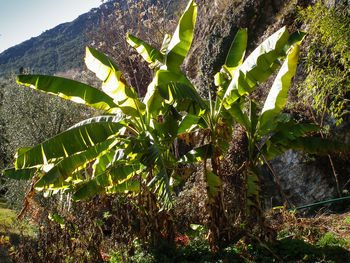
(62, 47)
(57, 49)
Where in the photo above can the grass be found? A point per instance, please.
(11, 231)
(10, 226)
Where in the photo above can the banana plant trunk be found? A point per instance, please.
(252, 184)
(155, 225)
(218, 220)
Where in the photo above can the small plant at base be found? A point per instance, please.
(329, 239)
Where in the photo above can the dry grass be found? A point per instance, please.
(312, 229)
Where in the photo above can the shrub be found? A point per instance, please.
(327, 62)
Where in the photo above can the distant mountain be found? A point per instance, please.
(57, 49)
(63, 47)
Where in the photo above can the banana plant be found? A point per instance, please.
(215, 119)
(269, 133)
(127, 150)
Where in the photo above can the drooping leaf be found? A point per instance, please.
(107, 179)
(181, 93)
(159, 89)
(238, 115)
(213, 184)
(162, 187)
(317, 145)
(79, 138)
(114, 83)
(188, 122)
(19, 174)
(68, 165)
(198, 154)
(130, 186)
(103, 162)
(278, 94)
(253, 188)
(152, 155)
(291, 131)
(168, 126)
(68, 89)
(148, 53)
(182, 38)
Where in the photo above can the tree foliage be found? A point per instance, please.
(327, 62)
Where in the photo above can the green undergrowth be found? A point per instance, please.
(12, 229)
(284, 250)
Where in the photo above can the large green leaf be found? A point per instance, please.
(149, 53)
(21, 174)
(152, 156)
(182, 38)
(98, 184)
(252, 188)
(285, 135)
(163, 88)
(68, 89)
(161, 185)
(114, 83)
(278, 94)
(213, 183)
(130, 186)
(317, 145)
(190, 122)
(198, 154)
(100, 64)
(65, 168)
(258, 66)
(103, 162)
(79, 138)
(237, 50)
(239, 116)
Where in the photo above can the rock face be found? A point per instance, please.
(216, 27)
(302, 182)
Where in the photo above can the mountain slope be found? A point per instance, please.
(57, 49)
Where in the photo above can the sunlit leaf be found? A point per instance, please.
(68, 89)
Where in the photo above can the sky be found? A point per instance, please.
(22, 19)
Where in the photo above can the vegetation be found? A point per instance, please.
(328, 60)
(126, 163)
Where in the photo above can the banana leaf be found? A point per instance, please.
(65, 168)
(149, 54)
(258, 66)
(68, 89)
(79, 138)
(237, 50)
(114, 83)
(190, 122)
(213, 184)
(278, 94)
(102, 181)
(163, 88)
(198, 154)
(21, 174)
(182, 38)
